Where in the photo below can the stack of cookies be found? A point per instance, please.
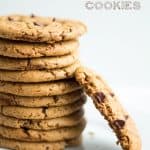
(41, 103)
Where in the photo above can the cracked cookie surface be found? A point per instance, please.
(17, 49)
(7, 63)
(108, 104)
(39, 29)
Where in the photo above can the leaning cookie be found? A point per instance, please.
(39, 29)
(19, 49)
(109, 106)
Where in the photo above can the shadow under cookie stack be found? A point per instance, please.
(41, 103)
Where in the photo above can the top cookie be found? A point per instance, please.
(109, 106)
(39, 29)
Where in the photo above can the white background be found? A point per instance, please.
(117, 46)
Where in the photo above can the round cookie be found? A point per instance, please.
(42, 113)
(39, 29)
(60, 134)
(39, 89)
(109, 106)
(7, 63)
(22, 145)
(47, 124)
(43, 101)
(31, 76)
(19, 49)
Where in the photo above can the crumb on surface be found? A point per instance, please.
(91, 133)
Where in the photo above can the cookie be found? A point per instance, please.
(19, 49)
(39, 29)
(22, 145)
(7, 63)
(43, 101)
(47, 124)
(60, 134)
(108, 104)
(31, 76)
(39, 89)
(42, 113)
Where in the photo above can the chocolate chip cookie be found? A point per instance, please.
(19, 49)
(44, 124)
(42, 113)
(40, 101)
(22, 145)
(39, 89)
(7, 63)
(39, 29)
(55, 135)
(108, 104)
(30, 76)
